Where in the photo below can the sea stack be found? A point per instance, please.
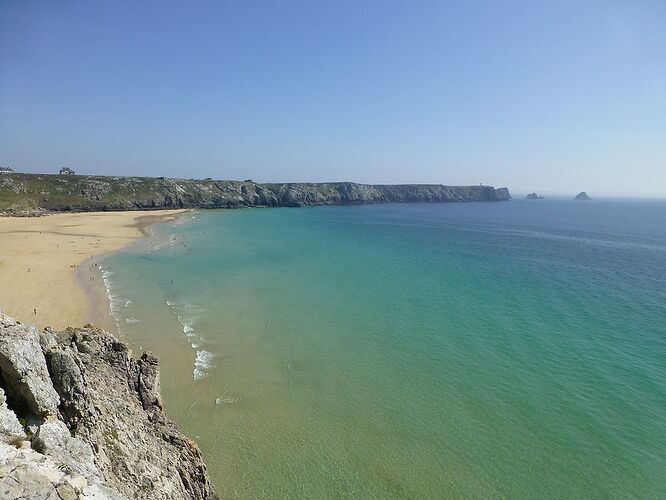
(582, 196)
(534, 196)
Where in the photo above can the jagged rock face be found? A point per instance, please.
(53, 438)
(27, 192)
(9, 424)
(26, 473)
(95, 421)
(23, 367)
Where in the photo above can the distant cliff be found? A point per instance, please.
(84, 193)
(81, 418)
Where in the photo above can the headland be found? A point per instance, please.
(35, 193)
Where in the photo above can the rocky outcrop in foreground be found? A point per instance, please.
(28, 193)
(80, 418)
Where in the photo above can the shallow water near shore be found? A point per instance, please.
(453, 350)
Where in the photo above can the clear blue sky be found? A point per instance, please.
(553, 96)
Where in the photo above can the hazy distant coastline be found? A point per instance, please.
(83, 193)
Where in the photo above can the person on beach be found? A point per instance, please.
(35, 311)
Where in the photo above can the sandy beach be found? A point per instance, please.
(39, 257)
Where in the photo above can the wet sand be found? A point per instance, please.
(39, 257)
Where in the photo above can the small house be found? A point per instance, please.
(66, 171)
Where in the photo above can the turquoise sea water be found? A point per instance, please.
(490, 350)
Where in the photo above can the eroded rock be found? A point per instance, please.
(26, 473)
(53, 439)
(23, 367)
(9, 424)
(96, 420)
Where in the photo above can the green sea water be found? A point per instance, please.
(480, 350)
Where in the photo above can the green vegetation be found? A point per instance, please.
(28, 192)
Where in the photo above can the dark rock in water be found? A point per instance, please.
(80, 418)
(534, 196)
(582, 196)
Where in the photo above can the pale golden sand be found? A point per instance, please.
(39, 257)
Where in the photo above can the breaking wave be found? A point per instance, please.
(202, 362)
(187, 315)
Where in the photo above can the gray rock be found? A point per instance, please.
(139, 451)
(108, 438)
(23, 367)
(101, 492)
(9, 424)
(53, 439)
(148, 385)
(27, 474)
(32, 424)
(67, 376)
(47, 339)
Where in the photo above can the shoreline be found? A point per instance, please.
(96, 289)
(45, 257)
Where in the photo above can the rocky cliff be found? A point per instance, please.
(20, 192)
(81, 418)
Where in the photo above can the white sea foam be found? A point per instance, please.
(170, 242)
(131, 320)
(225, 400)
(128, 303)
(116, 301)
(187, 314)
(202, 362)
(195, 340)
